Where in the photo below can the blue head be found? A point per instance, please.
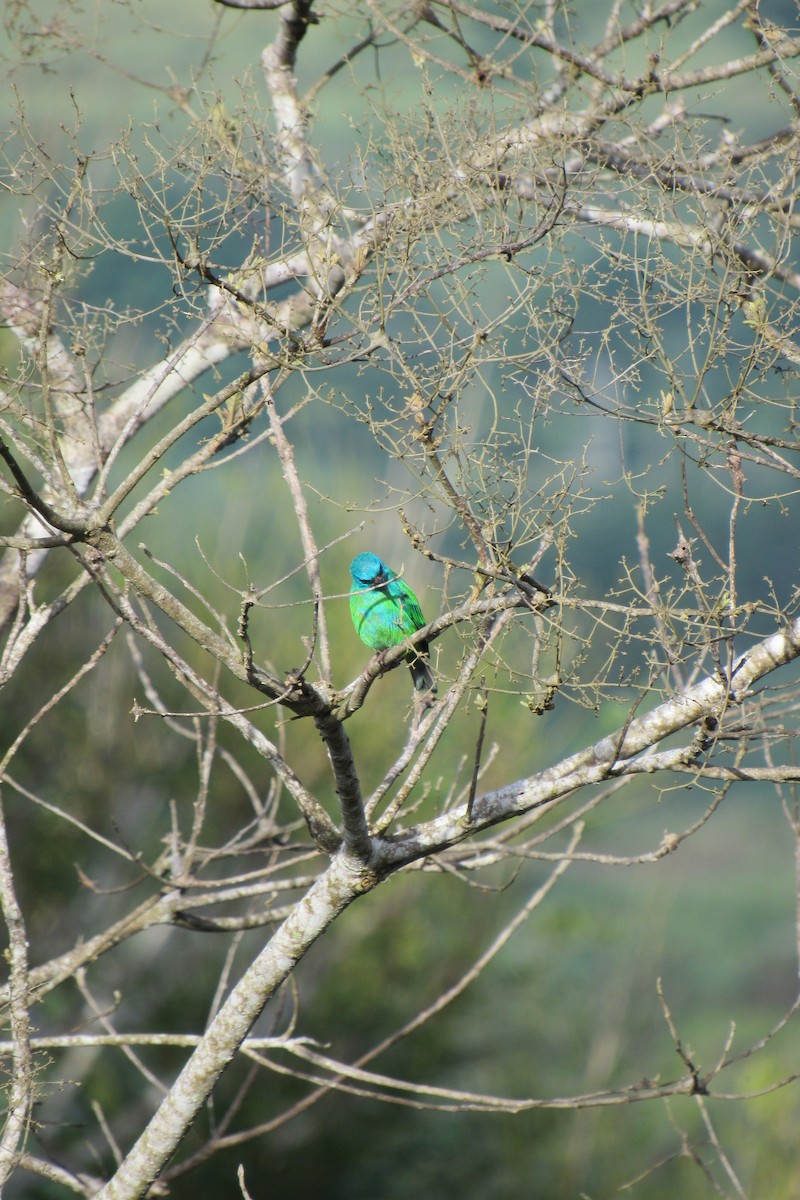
(367, 570)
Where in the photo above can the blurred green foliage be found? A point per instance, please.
(570, 1005)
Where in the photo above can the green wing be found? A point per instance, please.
(409, 616)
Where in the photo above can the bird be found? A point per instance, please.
(385, 612)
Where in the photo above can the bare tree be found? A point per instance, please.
(524, 307)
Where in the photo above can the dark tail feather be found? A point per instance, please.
(421, 674)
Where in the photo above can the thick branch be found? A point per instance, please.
(710, 697)
(348, 788)
(330, 895)
(19, 1095)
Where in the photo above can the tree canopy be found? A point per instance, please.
(504, 294)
